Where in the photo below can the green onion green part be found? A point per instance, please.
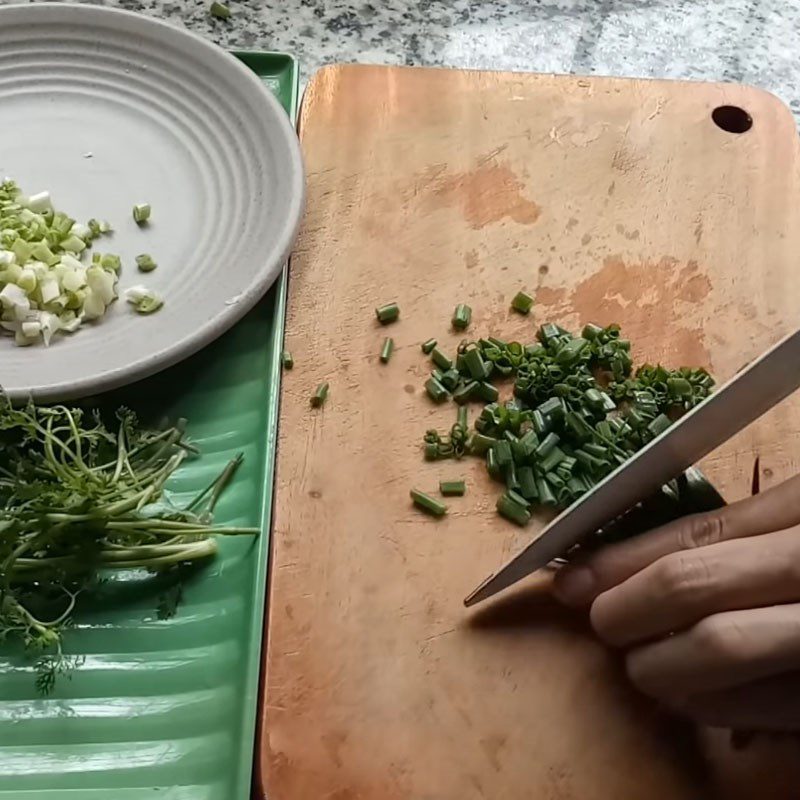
(145, 263)
(435, 390)
(219, 10)
(453, 488)
(320, 395)
(427, 347)
(462, 317)
(512, 510)
(287, 360)
(522, 303)
(386, 350)
(430, 505)
(141, 213)
(440, 359)
(578, 410)
(388, 313)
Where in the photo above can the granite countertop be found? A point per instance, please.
(749, 41)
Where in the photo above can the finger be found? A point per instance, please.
(776, 509)
(720, 652)
(682, 588)
(772, 704)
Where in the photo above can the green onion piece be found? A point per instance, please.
(552, 459)
(462, 418)
(513, 511)
(388, 313)
(141, 213)
(320, 395)
(659, 424)
(450, 379)
(286, 358)
(428, 346)
(492, 467)
(463, 394)
(527, 483)
(475, 364)
(546, 496)
(462, 316)
(430, 505)
(440, 359)
(145, 263)
(522, 303)
(386, 350)
(109, 261)
(547, 445)
(143, 300)
(435, 390)
(480, 444)
(591, 331)
(219, 10)
(432, 452)
(511, 476)
(502, 453)
(487, 392)
(453, 488)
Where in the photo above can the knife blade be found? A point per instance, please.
(753, 391)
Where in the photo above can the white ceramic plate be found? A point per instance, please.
(106, 109)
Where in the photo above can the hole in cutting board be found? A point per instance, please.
(732, 119)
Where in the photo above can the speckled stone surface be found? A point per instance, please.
(751, 41)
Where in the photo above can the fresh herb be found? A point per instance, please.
(78, 496)
(453, 488)
(287, 360)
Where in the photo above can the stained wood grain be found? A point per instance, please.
(612, 200)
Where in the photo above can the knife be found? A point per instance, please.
(753, 391)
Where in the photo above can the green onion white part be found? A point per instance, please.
(45, 287)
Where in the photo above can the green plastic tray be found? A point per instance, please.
(166, 710)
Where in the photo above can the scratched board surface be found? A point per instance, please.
(611, 201)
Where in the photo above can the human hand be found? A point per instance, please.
(708, 610)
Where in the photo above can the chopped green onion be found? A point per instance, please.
(143, 300)
(145, 263)
(480, 444)
(428, 346)
(287, 360)
(386, 350)
(463, 394)
(440, 359)
(219, 10)
(388, 313)
(141, 213)
(430, 505)
(435, 390)
(452, 488)
(512, 510)
(320, 395)
(475, 364)
(462, 317)
(522, 303)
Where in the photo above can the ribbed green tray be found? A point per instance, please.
(166, 710)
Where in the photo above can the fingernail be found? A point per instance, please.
(574, 586)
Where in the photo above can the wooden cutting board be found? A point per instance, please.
(611, 201)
